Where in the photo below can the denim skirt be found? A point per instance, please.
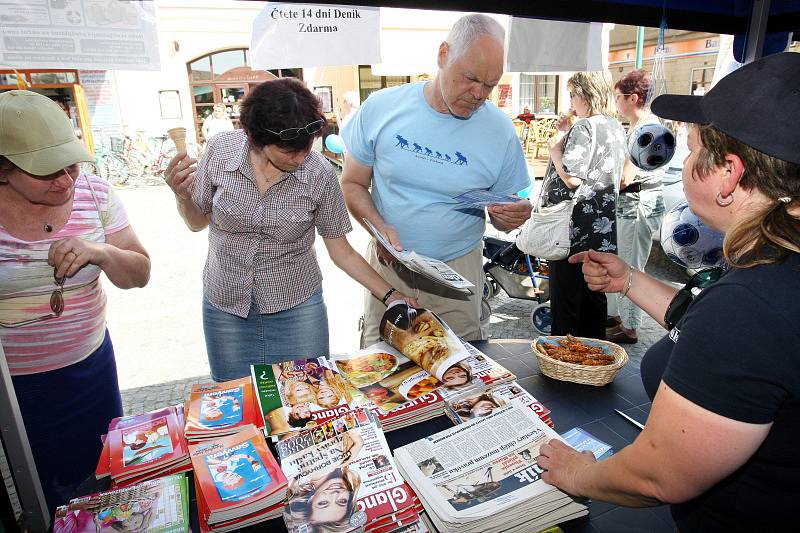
(234, 343)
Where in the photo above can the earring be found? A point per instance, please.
(724, 204)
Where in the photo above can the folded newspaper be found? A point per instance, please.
(429, 267)
(483, 475)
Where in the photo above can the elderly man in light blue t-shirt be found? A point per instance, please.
(417, 146)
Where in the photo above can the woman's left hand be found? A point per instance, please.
(69, 255)
(397, 295)
(564, 465)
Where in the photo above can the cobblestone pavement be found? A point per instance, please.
(510, 320)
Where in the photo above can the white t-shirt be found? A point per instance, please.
(216, 125)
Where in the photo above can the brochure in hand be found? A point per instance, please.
(347, 457)
(157, 506)
(480, 198)
(429, 267)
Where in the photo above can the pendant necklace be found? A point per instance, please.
(48, 227)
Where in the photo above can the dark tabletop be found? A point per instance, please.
(571, 405)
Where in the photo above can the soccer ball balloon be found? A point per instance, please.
(688, 242)
(651, 146)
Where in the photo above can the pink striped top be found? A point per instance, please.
(26, 283)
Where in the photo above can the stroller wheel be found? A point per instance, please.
(541, 318)
(489, 287)
(486, 312)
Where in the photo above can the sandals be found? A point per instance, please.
(616, 335)
(612, 321)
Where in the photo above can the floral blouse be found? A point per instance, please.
(599, 166)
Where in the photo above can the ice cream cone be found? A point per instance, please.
(178, 136)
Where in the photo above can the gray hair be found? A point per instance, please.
(469, 29)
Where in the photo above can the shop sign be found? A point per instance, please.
(109, 35)
(288, 35)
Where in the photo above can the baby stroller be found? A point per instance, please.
(520, 275)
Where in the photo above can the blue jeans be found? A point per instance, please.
(234, 343)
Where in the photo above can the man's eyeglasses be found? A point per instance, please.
(680, 303)
(293, 133)
(56, 306)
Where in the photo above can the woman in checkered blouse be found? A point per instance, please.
(261, 191)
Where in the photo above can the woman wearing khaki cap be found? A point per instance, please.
(59, 228)
(720, 443)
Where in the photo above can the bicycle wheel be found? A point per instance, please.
(116, 169)
(137, 165)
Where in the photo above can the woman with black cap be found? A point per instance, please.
(59, 229)
(720, 440)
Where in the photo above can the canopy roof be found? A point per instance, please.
(714, 16)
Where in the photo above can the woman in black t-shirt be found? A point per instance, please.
(720, 441)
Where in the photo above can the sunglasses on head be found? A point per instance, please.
(293, 133)
(680, 303)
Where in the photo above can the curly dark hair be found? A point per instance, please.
(635, 82)
(278, 105)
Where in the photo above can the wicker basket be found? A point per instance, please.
(587, 375)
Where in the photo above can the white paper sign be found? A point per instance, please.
(554, 46)
(287, 35)
(92, 34)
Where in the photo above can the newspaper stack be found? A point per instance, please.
(158, 505)
(346, 463)
(477, 403)
(483, 475)
(218, 409)
(237, 480)
(144, 446)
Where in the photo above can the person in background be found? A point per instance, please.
(412, 148)
(350, 103)
(262, 192)
(586, 164)
(218, 121)
(526, 116)
(640, 206)
(720, 443)
(59, 230)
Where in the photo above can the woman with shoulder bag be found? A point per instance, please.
(586, 162)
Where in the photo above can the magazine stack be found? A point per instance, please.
(159, 506)
(144, 446)
(218, 409)
(237, 480)
(476, 403)
(483, 475)
(404, 380)
(342, 478)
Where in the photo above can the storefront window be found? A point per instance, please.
(539, 93)
(203, 94)
(368, 83)
(222, 62)
(701, 80)
(201, 69)
(50, 78)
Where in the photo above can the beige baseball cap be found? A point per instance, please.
(36, 134)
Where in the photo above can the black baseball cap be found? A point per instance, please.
(757, 104)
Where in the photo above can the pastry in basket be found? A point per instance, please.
(571, 350)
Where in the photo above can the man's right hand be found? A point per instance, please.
(385, 256)
(179, 175)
